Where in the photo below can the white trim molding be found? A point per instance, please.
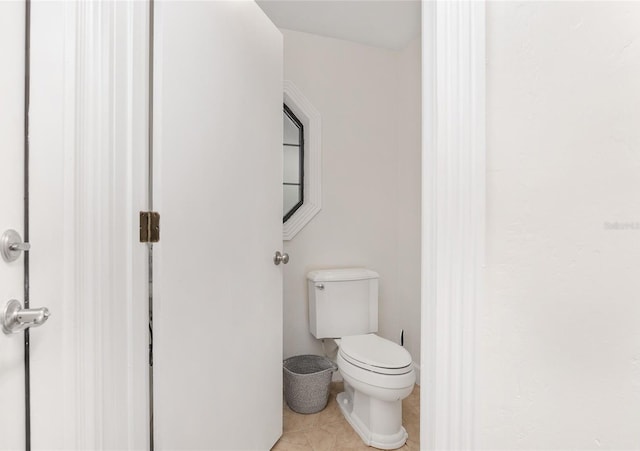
(453, 187)
(105, 270)
(310, 118)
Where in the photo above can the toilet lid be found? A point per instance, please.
(372, 351)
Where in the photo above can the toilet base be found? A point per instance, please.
(374, 420)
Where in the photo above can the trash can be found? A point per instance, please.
(306, 382)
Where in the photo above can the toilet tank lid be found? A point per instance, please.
(341, 275)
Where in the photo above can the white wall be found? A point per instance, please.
(405, 312)
(369, 100)
(559, 332)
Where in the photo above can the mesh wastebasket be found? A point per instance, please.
(306, 382)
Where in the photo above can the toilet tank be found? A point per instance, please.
(343, 302)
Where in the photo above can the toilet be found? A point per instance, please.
(378, 374)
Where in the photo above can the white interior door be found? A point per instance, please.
(12, 393)
(218, 173)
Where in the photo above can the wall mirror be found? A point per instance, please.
(302, 160)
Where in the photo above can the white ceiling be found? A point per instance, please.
(382, 23)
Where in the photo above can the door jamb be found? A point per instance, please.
(453, 218)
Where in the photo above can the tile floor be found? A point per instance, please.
(328, 430)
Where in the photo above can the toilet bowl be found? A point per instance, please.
(378, 374)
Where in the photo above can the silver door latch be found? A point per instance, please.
(14, 318)
(11, 245)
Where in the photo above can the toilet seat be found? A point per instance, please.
(376, 354)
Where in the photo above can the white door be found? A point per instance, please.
(217, 187)
(12, 393)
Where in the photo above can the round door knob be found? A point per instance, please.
(280, 258)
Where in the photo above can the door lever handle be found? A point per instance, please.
(14, 318)
(19, 247)
(11, 245)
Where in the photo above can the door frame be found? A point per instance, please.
(453, 193)
(453, 217)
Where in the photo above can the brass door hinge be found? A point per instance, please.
(149, 227)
